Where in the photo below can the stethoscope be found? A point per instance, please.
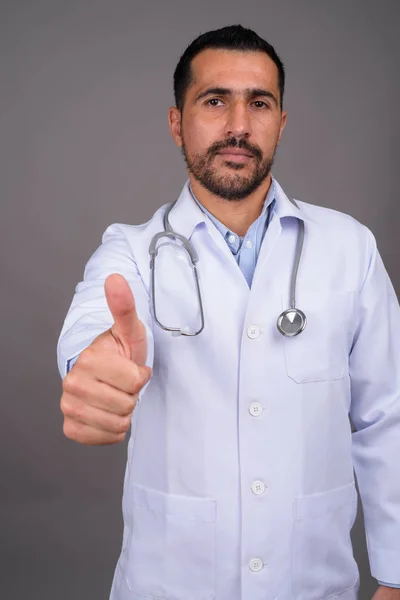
(290, 323)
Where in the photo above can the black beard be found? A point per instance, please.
(226, 187)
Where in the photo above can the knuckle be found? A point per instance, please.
(127, 406)
(144, 379)
(127, 423)
(65, 406)
(131, 403)
(75, 384)
(77, 412)
(70, 429)
(138, 380)
(72, 409)
(122, 425)
(86, 357)
(70, 382)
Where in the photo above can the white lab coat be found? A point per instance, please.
(239, 482)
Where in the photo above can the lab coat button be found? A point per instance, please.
(255, 409)
(258, 487)
(256, 564)
(253, 331)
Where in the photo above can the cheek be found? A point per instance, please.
(268, 138)
(200, 131)
(197, 138)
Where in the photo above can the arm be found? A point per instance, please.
(375, 412)
(89, 315)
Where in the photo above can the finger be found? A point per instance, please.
(121, 303)
(85, 434)
(85, 414)
(104, 397)
(107, 367)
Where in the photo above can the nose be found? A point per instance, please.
(238, 121)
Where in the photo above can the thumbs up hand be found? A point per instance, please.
(101, 390)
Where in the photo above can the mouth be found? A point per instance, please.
(236, 154)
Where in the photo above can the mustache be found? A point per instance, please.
(234, 143)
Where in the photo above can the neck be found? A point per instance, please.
(236, 215)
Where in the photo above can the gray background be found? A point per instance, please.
(85, 88)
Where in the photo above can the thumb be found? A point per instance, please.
(127, 328)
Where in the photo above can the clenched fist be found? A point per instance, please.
(101, 390)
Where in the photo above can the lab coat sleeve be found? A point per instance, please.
(88, 315)
(374, 364)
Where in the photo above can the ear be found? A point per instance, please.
(283, 123)
(174, 122)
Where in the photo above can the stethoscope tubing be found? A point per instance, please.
(290, 322)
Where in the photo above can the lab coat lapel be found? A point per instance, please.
(285, 213)
(188, 219)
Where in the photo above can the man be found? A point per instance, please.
(239, 482)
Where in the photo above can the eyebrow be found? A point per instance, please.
(252, 92)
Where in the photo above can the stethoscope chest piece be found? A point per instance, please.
(291, 322)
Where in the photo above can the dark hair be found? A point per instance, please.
(233, 37)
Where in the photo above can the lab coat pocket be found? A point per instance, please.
(323, 564)
(170, 552)
(320, 352)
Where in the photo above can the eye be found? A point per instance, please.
(213, 100)
(261, 104)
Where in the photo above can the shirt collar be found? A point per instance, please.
(186, 215)
(220, 226)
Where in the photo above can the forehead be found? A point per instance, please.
(233, 69)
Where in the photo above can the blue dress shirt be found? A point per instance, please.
(246, 249)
